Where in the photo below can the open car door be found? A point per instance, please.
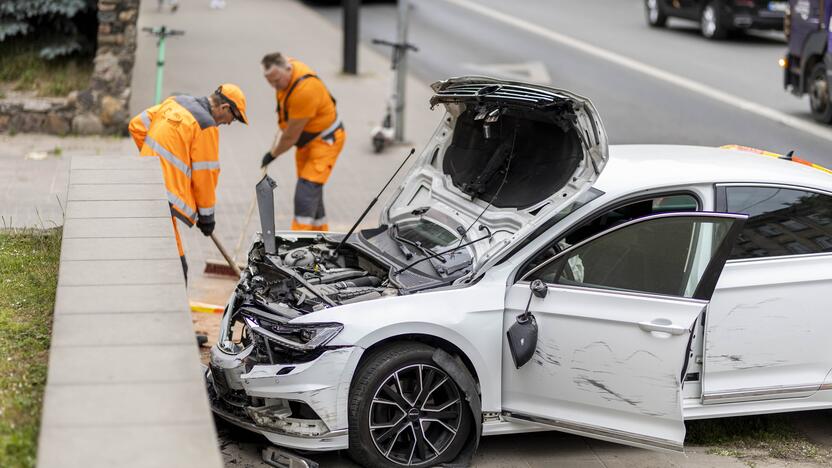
(608, 328)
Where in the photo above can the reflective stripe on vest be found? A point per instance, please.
(145, 120)
(205, 165)
(174, 200)
(169, 157)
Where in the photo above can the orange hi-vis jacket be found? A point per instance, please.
(184, 135)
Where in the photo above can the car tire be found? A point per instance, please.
(819, 97)
(656, 17)
(388, 394)
(711, 23)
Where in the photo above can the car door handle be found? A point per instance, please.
(662, 325)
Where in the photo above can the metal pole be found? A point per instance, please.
(351, 10)
(160, 65)
(401, 69)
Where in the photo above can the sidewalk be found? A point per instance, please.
(226, 46)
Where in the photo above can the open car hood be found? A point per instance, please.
(522, 151)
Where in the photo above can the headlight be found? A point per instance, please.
(298, 337)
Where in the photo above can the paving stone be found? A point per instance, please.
(125, 404)
(118, 227)
(120, 299)
(146, 446)
(117, 176)
(117, 192)
(147, 248)
(113, 162)
(122, 330)
(118, 209)
(95, 272)
(124, 364)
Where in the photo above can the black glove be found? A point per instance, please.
(206, 226)
(267, 159)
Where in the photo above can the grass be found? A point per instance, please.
(28, 278)
(754, 437)
(21, 69)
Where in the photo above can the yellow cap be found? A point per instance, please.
(233, 95)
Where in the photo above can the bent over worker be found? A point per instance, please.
(182, 132)
(308, 119)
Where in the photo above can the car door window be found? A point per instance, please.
(781, 221)
(659, 255)
(613, 217)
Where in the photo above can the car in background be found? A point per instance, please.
(719, 18)
(807, 66)
(526, 276)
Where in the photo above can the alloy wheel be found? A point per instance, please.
(653, 11)
(709, 21)
(415, 414)
(819, 94)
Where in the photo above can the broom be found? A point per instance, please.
(230, 268)
(224, 267)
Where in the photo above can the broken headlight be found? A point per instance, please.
(296, 337)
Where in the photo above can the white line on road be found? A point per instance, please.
(797, 123)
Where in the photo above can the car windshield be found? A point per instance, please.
(426, 233)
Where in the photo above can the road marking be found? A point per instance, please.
(531, 72)
(811, 128)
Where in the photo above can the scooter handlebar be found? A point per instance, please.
(396, 45)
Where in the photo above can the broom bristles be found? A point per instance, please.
(221, 268)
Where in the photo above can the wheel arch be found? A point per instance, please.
(430, 340)
(813, 52)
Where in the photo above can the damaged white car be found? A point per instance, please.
(526, 277)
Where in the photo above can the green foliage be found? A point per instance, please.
(28, 279)
(22, 69)
(63, 27)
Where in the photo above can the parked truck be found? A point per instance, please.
(808, 62)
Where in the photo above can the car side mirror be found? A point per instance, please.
(522, 336)
(539, 289)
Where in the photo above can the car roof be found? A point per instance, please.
(642, 167)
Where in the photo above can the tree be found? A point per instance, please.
(59, 27)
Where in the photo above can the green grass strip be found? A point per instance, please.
(28, 279)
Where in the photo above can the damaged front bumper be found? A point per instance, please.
(299, 406)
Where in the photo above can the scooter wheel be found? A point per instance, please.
(378, 143)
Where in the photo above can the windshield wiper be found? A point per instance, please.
(437, 254)
(403, 243)
(426, 251)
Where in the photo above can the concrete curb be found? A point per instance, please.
(124, 386)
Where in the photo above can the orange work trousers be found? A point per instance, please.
(314, 163)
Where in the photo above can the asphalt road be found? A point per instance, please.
(649, 99)
(635, 105)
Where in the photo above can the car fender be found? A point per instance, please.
(471, 318)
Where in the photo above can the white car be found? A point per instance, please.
(526, 277)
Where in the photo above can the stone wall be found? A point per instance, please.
(102, 108)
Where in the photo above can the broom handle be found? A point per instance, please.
(225, 255)
(247, 220)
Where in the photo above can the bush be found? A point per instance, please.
(61, 27)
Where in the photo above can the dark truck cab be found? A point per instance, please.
(808, 63)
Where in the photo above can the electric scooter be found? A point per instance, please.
(162, 33)
(384, 134)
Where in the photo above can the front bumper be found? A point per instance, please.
(747, 18)
(300, 406)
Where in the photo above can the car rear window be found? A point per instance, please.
(781, 221)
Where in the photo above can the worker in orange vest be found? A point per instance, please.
(183, 133)
(308, 120)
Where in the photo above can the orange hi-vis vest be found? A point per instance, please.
(306, 97)
(182, 133)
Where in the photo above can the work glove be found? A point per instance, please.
(267, 159)
(206, 226)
